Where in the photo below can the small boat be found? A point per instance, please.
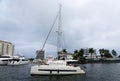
(18, 60)
(57, 67)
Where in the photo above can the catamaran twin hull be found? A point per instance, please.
(37, 70)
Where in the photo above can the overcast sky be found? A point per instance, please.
(86, 23)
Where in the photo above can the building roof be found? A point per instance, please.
(5, 41)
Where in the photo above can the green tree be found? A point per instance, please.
(91, 51)
(82, 58)
(76, 51)
(75, 55)
(81, 53)
(119, 56)
(114, 53)
(78, 54)
(64, 51)
(101, 51)
(107, 54)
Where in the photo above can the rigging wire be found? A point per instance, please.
(64, 41)
(50, 31)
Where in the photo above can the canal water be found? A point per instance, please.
(94, 72)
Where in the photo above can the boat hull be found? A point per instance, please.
(3, 62)
(17, 62)
(48, 70)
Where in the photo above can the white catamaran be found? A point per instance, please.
(56, 67)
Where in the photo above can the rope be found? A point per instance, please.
(49, 32)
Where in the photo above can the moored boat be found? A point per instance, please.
(18, 60)
(58, 67)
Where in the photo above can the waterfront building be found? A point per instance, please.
(6, 48)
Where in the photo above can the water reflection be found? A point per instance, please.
(60, 78)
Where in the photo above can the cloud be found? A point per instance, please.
(86, 23)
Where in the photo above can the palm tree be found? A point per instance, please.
(82, 58)
(91, 51)
(101, 51)
(107, 54)
(75, 56)
(81, 53)
(78, 54)
(114, 53)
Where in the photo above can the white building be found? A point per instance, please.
(6, 48)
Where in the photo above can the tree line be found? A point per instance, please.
(104, 53)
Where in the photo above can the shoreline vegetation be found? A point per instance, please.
(91, 55)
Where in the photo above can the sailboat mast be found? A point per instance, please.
(59, 32)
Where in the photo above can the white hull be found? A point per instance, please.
(17, 62)
(13, 60)
(55, 70)
(3, 62)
